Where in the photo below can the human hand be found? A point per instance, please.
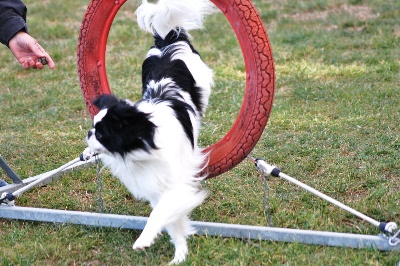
(27, 51)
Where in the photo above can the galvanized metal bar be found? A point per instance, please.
(15, 178)
(203, 228)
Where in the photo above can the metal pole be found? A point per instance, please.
(51, 176)
(15, 178)
(268, 169)
(203, 228)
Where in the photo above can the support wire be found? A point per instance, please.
(386, 228)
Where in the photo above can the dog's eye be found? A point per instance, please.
(98, 135)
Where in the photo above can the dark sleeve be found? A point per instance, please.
(12, 19)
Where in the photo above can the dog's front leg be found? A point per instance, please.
(172, 212)
(170, 207)
(158, 219)
(150, 232)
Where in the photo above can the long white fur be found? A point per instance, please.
(167, 15)
(167, 177)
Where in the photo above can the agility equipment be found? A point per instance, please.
(260, 74)
(388, 240)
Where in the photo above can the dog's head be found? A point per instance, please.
(120, 128)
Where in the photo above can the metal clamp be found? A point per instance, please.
(394, 240)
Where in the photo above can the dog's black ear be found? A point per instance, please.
(105, 101)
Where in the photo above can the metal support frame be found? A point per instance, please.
(51, 176)
(203, 228)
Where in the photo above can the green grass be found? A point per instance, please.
(334, 126)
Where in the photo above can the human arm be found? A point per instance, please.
(12, 19)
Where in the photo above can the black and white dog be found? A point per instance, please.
(151, 145)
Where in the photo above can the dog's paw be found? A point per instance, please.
(180, 255)
(87, 154)
(142, 243)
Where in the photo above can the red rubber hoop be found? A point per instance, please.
(260, 74)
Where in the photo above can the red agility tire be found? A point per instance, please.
(260, 74)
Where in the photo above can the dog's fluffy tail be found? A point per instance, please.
(167, 15)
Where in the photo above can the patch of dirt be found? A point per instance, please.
(306, 16)
(360, 12)
(397, 31)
